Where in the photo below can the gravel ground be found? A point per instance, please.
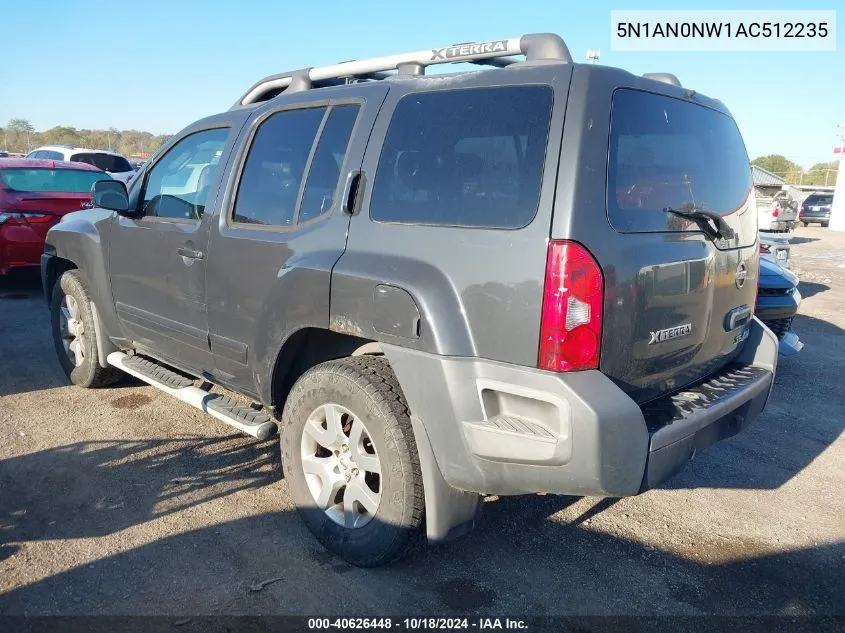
(124, 501)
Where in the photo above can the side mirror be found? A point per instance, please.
(111, 194)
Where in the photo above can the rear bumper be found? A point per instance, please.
(820, 217)
(502, 429)
(20, 246)
(694, 419)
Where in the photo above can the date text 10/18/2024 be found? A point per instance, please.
(415, 624)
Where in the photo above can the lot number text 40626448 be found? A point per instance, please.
(416, 624)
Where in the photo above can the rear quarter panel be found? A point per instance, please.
(478, 292)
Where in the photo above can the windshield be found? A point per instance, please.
(106, 162)
(50, 180)
(667, 153)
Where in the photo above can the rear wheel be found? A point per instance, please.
(351, 462)
(824, 224)
(804, 224)
(74, 336)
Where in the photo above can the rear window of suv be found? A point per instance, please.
(106, 162)
(669, 153)
(38, 179)
(817, 200)
(464, 158)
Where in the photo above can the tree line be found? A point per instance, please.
(20, 136)
(794, 174)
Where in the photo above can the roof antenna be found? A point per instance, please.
(593, 55)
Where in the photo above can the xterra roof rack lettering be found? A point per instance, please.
(407, 280)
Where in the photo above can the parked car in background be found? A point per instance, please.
(4, 154)
(776, 210)
(775, 247)
(34, 195)
(114, 164)
(778, 300)
(816, 208)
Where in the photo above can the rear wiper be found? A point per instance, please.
(703, 218)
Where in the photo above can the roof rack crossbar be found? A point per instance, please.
(535, 46)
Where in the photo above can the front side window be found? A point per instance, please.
(179, 184)
(469, 158)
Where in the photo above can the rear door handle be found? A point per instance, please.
(351, 191)
(190, 253)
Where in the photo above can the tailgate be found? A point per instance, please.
(678, 296)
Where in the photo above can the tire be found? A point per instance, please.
(804, 224)
(71, 291)
(824, 224)
(363, 393)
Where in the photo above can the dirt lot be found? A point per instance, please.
(123, 501)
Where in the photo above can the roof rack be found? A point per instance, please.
(497, 53)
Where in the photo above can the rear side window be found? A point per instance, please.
(47, 154)
(50, 180)
(464, 158)
(106, 162)
(276, 166)
(669, 153)
(324, 175)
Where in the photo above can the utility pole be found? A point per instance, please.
(837, 210)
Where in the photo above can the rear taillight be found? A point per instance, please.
(764, 248)
(776, 212)
(570, 324)
(803, 210)
(23, 217)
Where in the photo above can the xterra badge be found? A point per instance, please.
(669, 333)
(470, 49)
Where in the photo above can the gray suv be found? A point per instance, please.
(532, 277)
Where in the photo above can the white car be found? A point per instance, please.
(112, 163)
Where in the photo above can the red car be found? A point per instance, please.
(34, 195)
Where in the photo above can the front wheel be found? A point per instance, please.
(350, 459)
(74, 335)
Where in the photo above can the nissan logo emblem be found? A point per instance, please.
(741, 273)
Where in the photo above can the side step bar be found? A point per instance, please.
(255, 423)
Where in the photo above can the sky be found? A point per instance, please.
(159, 65)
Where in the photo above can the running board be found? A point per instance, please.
(244, 418)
